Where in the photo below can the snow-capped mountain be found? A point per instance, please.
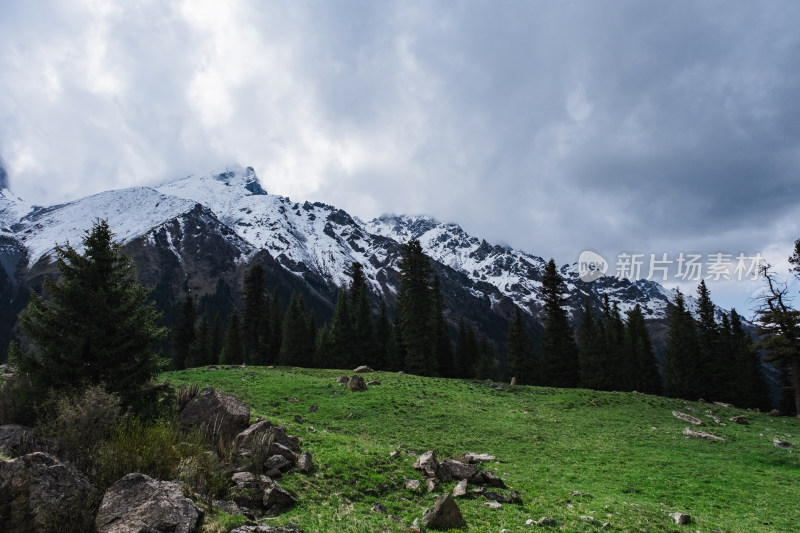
(189, 233)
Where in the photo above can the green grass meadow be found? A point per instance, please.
(622, 452)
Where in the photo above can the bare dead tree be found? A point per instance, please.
(779, 329)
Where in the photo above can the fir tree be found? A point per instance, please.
(592, 355)
(442, 351)
(683, 377)
(233, 347)
(485, 368)
(295, 347)
(382, 328)
(272, 348)
(183, 335)
(217, 340)
(97, 326)
(466, 352)
(617, 368)
(751, 390)
(559, 352)
(255, 313)
(414, 306)
(200, 353)
(341, 333)
(363, 345)
(711, 365)
(519, 351)
(324, 347)
(639, 350)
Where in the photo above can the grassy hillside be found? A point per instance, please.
(623, 452)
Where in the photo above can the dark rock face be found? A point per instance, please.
(16, 440)
(277, 499)
(356, 384)
(444, 514)
(219, 414)
(39, 493)
(251, 440)
(138, 504)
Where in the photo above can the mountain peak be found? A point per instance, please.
(238, 175)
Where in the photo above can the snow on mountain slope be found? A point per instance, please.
(304, 236)
(12, 208)
(130, 214)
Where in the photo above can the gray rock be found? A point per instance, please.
(39, 493)
(278, 462)
(774, 412)
(356, 384)
(138, 503)
(363, 369)
(432, 484)
(253, 439)
(280, 437)
(723, 404)
(411, 484)
(230, 507)
(511, 497)
(279, 449)
(373, 383)
(277, 499)
(688, 418)
(474, 458)
(493, 504)
(342, 379)
(460, 489)
(313, 409)
(457, 469)
(741, 419)
(680, 518)
(378, 507)
(444, 514)
(16, 440)
(781, 444)
(488, 478)
(427, 463)
(267, 529)
(701, 435)
(216, 413)
(544, 521)
(305, 463)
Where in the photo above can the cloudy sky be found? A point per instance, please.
(650, 127)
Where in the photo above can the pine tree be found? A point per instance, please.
(382, 328)
(639, 350)
(485, 368)
(97, 326)
(440, 334)
(324, 347)
(712, 366)
(217, 340)
(363, 346)
(751, 389)
(255, 313)
(414, 306)
(183, 335)
(295, 347)
(272, 348)
(200, 353)
(466, 358)
(559, 352)
(233, 348)
(519, 351)
(342, 333)
(683, 377)
(592, 355)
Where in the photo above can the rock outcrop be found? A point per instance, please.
(444, 514)
(219, 415)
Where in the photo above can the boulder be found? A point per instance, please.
(431, 484)
(741, 419)
(293, 443)
(474, 458)
(277, 499)
(140, 503)
(781, 444)
(688, 418)
(444, 514)
(278, 462)
(313, 408)
(363, 369)
(493, 504)
(39, 493)
(725, 405)
(457, 469)
(279, 449)
(488, 478)
(511, 497)
(411, 484)
(680, 518)
(460, 489)
(774, 412)
(378, 507)
(428, 464)
(356, 384)
(342, 379)
(305, 463)
(219, 415)
(701, 435)
(16, 440)
(230, 507)
(251, 440)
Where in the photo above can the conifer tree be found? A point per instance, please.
(519, 351)
(592, 355)
(559, 352)
(466, 351)
(295, 347)
(272, 348)
(712, 366)
(233, 347)
(255, 312)
(382, 327)
(616, 367)
(683, 377)
(751, 390)
(440, 334)
(183, 335)
(639, 350)
(341, 333)
(394, 352)
(414, 307)
(324, 347)
(200, 353)
(363, 345)
(485, 368)
(217, 340)
(97, 325)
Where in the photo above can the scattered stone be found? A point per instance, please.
(140, 503)
(278, 462)
(741, 419)
(680, 518)
(473, 458)
(587, 518)
(378, 507)
(781, 444)
(411, 484)
(774, 412)
(460, 489)
(299, 419)
(545, 521)
(39, 493)
(576, 493)
(363, 369)
(701, 435)
(394, 454)
(292, 399)
(513, 381)
(313, 409)
(488, 478)
(723, 404)
(275, 404)
(457, 469)
(305, 463)
(431, 484)
(356, 384)
(444, 514)
(277, 499)
(395, 519)
(714, 418)
(493, 504)
(427, 463)
(279, 449)
(342, 379)
(373, 383)
(511, 497)
(219, 415)
(688, 418)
